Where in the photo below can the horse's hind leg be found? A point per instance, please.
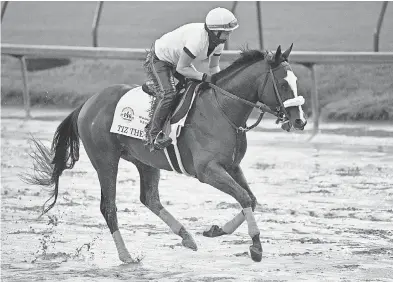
(149, 196)
(106, 165)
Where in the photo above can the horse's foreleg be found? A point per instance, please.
(215, 175)
(234, 223)
(149, 196)
(228, 228)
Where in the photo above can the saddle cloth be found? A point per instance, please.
(132, 115)
(132, 112)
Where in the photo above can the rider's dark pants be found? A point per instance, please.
(161, 74)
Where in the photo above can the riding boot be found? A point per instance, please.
(157, 136)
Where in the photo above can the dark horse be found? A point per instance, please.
(212, 143)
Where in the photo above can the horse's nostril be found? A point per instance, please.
(299, 122)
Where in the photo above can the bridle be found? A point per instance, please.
(280, 112)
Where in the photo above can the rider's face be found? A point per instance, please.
(225, 35)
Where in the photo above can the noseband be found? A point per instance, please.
(280, 112)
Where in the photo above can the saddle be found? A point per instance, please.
(183, 98)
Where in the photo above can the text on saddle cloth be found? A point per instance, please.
(132, 114)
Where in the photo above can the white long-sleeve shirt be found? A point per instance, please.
(192, 38)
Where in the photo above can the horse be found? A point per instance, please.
(212, 143)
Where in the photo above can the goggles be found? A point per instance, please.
(232, 24)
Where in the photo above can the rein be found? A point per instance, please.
(280, 113)
(239, 128)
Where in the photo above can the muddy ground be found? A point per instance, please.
(325, 213)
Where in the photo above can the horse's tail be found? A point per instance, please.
(49, 164)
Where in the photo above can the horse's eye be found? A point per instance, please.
(284, 87)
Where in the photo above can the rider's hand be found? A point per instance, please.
(208, 78)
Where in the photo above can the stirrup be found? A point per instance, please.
(162, 143)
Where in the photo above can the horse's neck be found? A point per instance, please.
(243, 85)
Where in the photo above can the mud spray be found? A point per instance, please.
(82, 253)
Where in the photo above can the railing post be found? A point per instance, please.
(379, 25)
(26, 93)
(96, 21)
(314, 101)
(226, 46)
(259, 17)
(3, 8)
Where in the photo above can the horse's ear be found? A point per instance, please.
(277, 57)
(287, 52)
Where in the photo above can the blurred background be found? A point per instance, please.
(347, 92)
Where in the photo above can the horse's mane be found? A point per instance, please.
(247, 57)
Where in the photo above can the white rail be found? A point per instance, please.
(306, 58)
(301, 57)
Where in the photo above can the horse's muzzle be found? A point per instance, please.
(299, 124)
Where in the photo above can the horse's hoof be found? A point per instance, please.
(126, 258)
(214, 231)
(189, 243)
(256, 253)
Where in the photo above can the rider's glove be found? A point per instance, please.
(207, 78)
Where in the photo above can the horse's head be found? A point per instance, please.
(279, 91)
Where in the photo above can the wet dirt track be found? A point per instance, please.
(325, 213)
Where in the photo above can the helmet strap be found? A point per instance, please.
(214, 40)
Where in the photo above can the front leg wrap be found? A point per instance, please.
(252, 224)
